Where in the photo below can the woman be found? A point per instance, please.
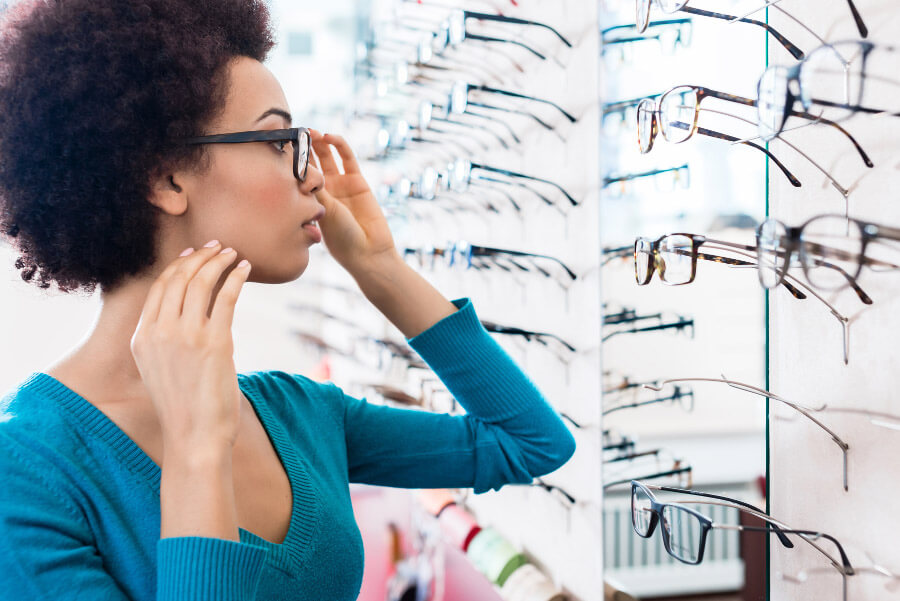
(141, 465)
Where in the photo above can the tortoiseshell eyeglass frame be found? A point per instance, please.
(642, 20)
(647, 105)
(656, 264)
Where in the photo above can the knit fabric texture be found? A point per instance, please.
(79, 500)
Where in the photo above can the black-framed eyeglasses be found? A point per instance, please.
(831, 248)
(665, 180)
(684, 530)
(642, 19)
(671, 34)
(539, 337)
(461, 175)
(683, 397)
(459, 101)
(297, 136)
(463, 253)
(834, 80)
(679, 325)
(456, 30)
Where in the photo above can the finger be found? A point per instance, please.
(332, 208)
(346, 153)
(323, 152)
(202, 286)
(177, 281)
(223, 311)
(150, 310)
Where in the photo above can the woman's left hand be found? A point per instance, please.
(354, 227)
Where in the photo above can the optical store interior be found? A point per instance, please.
(680, 218)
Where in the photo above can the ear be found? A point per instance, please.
(168, 195)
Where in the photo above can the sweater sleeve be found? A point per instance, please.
(509, 434)
(47, 550)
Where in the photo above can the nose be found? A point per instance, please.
(314, 181)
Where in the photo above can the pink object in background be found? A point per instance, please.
(459, 526)
(375, 508)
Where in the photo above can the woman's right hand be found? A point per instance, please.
(184, 352)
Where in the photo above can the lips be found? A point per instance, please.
(311, 226)
(315, 218)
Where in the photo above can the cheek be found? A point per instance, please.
(259, 182)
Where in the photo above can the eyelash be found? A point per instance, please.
(280, 144)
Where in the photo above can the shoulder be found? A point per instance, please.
(30, 422)
(35, 442)
(290, 394)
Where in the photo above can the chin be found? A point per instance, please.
(280, 274)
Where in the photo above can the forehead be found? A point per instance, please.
(252, 90)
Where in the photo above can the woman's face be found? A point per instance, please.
(249, 199)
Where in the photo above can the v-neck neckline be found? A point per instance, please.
(287, 555)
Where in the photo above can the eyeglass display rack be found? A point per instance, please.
(426, 141)
(805, 362)
(511, 165)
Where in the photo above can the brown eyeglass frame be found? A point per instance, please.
(695, 128)
(696, 241)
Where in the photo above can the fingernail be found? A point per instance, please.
(244, 263)
(186, 252)
(225, 250)
(210, 244)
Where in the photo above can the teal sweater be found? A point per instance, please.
(79, 500)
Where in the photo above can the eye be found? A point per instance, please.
(280, 144)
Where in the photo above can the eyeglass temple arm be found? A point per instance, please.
(738, 262)
(679, 324)
(715, 134)
(619, 105)
(795, 52)
(523, 176)
(842, 254)
(491, 90)
(850, 280)
(550, 488)
(504, 109)
(631, 318)
(752, 509)
(635, 405)
(802, 114)
(633, 456)
(505, 182)
(863, 30)
(765, 393)
(809, 536)
(674, 472)
(633, 176)
(518, 253)
(484, 38)
(503, 19)
(660, 23)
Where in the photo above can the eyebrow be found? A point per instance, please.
(276, 111)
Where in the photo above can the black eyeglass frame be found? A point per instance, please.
(292, 135)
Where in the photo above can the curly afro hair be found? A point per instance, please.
(91, 94)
